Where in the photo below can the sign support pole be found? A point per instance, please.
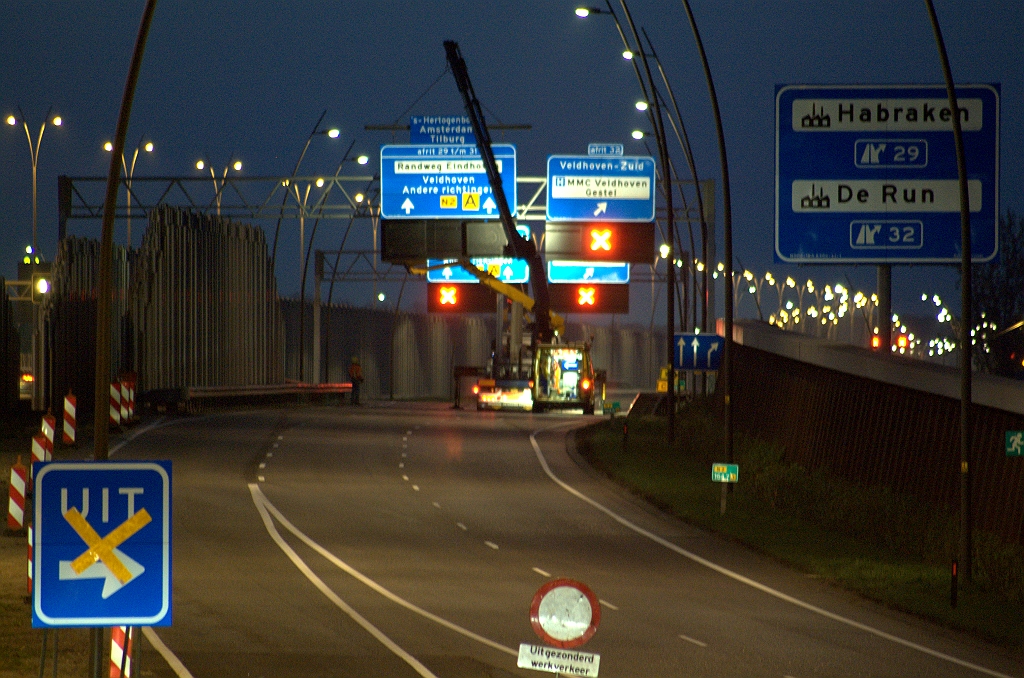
(966, 313)
(885, 306)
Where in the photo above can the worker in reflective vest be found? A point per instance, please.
(355, 375)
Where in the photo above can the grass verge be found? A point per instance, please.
(884, 547)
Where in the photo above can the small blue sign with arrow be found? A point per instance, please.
(698, 351)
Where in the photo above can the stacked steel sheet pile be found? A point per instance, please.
(205, 304)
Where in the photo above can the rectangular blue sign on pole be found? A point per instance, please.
(595, 188)
(698, 351)
(512, 271)
(102, 554)
(607, 272)
(443, 182)
(441, 129)
(868, 173)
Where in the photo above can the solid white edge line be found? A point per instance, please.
(698, 643)
(165, 652)
(259, 500)
(605, 603)
(746, 580)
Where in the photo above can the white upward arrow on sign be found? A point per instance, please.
(407, 206)
(490, 205)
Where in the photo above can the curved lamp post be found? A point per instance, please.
(33, 149)
(129, 172)
(218, 185)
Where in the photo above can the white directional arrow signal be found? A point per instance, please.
(602, 207)
(490, 205)
(407, 206)
(695, 344)
(447, 272)
(588, 273)
(99, 570)
(507, 273)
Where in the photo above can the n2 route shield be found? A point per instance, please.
(102, 554)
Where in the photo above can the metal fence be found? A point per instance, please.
(879, 434)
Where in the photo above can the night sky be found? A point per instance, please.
(248, 80)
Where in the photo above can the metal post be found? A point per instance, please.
(966, 312)
(318, 277)
(103, 303)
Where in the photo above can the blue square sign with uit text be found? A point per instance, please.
(102, 554)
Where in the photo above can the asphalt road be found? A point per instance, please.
(409, 540)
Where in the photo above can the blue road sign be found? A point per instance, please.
(608, 272)
(512, 271)
(868, 173)
(698, 351)
(102, 553)
(441, 129)
(588, 188)
(443, 182)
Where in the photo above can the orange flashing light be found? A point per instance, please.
(600, 240)
(587, 296)
(449, 296)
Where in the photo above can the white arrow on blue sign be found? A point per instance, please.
(698, 351)
(589, 188)
(443, 182)
(102, 554)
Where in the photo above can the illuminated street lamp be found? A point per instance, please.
(218, 188)
(129, 172)
(33, 149)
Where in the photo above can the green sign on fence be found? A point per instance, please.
(725, 473)
(1015, 443)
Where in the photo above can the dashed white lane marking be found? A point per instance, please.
(276, 445)
(263, 464)
(263, 505)
(605, 603)
(436, 505)
(260, 478)
(405, 478)
(492, 545)
(401, 465)
(408, 433)
(746, 580)
(166, 653)
(269, 455)
(404, 447)
(541, 572)
(416, 487)
(404, 455)
(280, 437)
(460, 525)
(700, 644)
(404, 439)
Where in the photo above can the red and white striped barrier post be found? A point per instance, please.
(16, 503)
(125, 414)
(48, 427)
(70, 409)
(121, 651)
(115, 403)
(40, 448)
(30, 559)
(131, 399)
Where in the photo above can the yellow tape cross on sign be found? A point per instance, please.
(103, 548)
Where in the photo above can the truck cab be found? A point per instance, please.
(563, 377)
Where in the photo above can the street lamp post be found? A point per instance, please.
(218, 188)
(129, 172)
(33, 149)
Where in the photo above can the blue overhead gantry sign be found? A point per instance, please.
(698, 351)
(600, 187)
(443, 182)
(607, 272)
(868, 173)
(102, 554)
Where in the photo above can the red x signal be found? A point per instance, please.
(587, 296)
(600, 240)
(449, 296)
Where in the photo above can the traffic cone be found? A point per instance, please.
(40, 448)
(16, 503)
(120, 651)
